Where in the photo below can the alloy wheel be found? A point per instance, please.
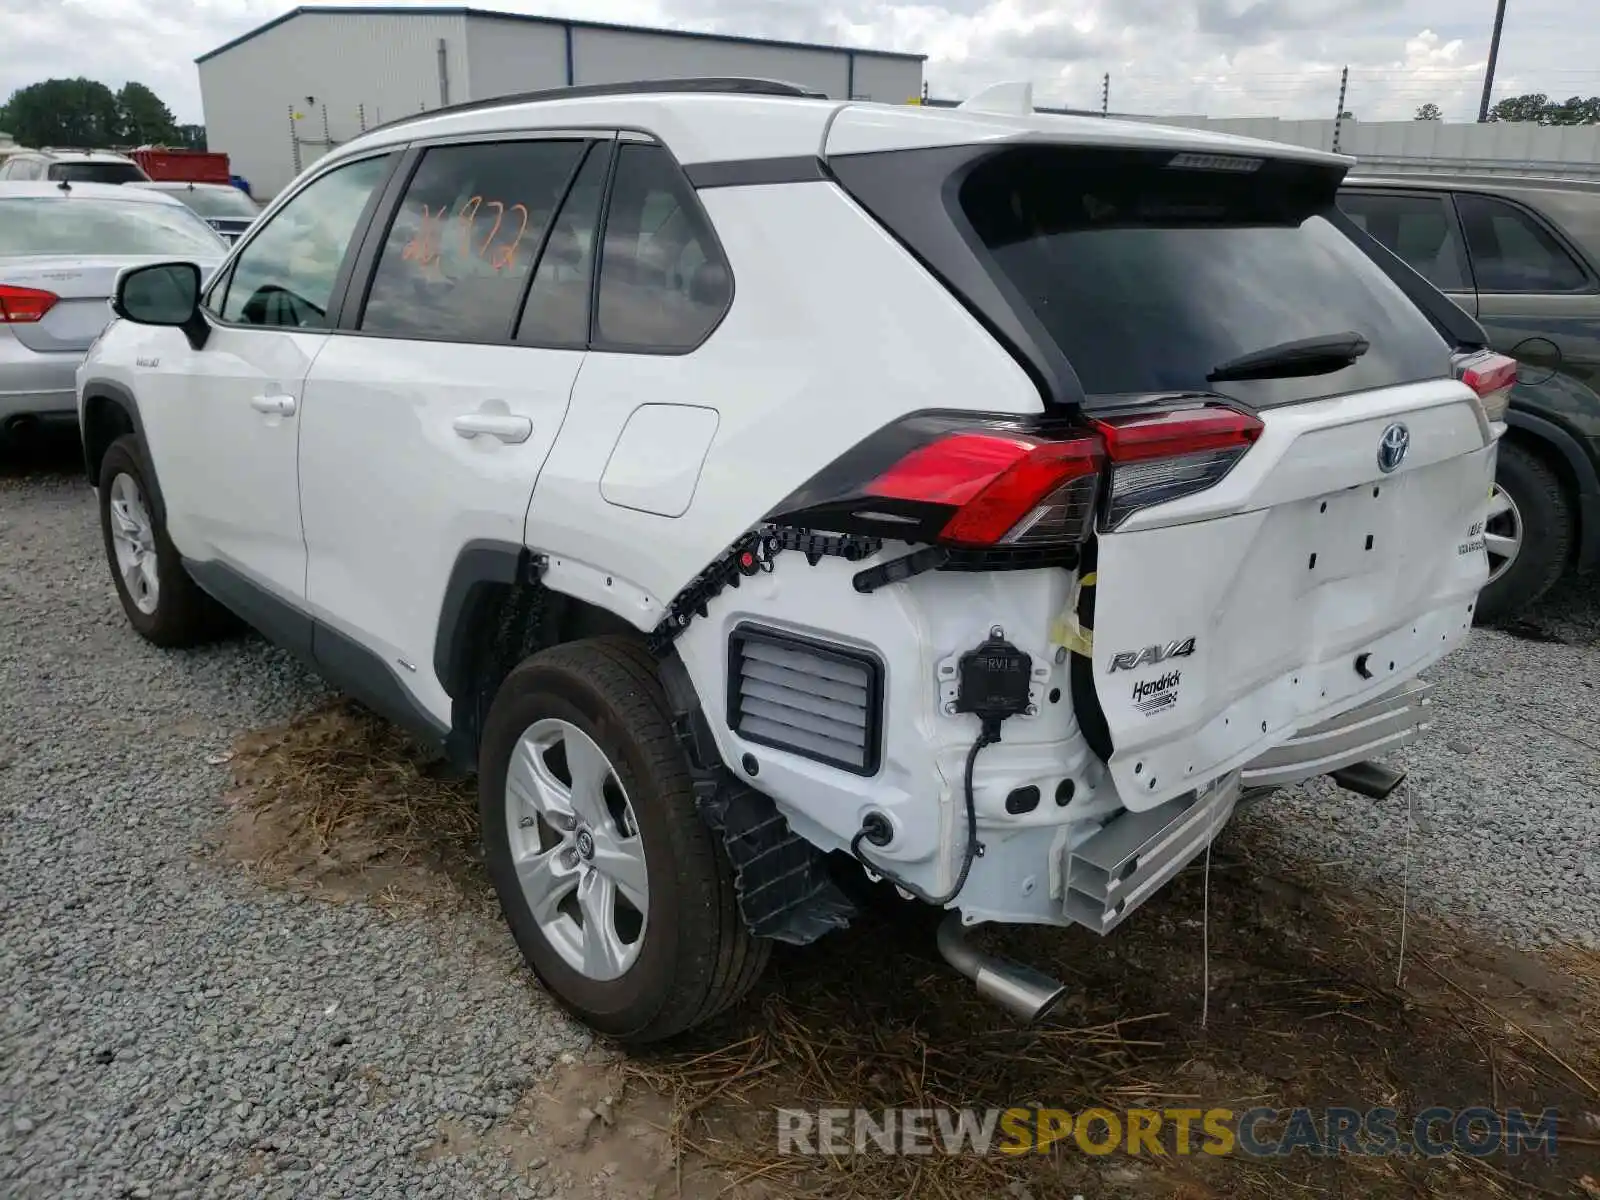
(133, 539)
(576, 848)
(1502, 532)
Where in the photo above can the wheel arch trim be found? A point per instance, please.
(1581, 470)
(109, 392)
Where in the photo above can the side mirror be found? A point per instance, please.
(163, 294)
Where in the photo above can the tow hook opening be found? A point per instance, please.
(1026, 994)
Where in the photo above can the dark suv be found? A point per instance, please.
(1523, 257)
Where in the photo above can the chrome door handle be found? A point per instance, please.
(503, 426)
(275, 405)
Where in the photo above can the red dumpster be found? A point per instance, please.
(183, 166)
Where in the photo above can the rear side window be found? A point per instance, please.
(465, 238)
(1420, 229)
(664, 284)
(1148, 276)
(95, 172)
(1512, 252)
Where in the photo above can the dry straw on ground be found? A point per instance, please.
(1304, 1010)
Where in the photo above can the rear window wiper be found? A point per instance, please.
(1308, 356)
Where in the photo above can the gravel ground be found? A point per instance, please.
(171, 1028)
(167, 1027)
(1504, 791)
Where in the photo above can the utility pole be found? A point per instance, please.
(1338, 116)
(1105, 95)
(1494, 56)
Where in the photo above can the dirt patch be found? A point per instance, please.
(1302, 1001)
(590, 1130)
(341, 805)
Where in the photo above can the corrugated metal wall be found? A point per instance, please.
(1497, 148)
(887, 80)
(382, 64)
(607, 56)
(379, 65)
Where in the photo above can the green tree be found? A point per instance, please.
(63, 112)
(1574, 111)
(1430, 112)
(1541, 110)
(1531, 107)
(144, 117)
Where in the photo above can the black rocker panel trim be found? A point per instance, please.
(343, 662)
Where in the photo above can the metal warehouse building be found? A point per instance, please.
(278, 97)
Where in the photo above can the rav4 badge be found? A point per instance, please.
(1132, 660)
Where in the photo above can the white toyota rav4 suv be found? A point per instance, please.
(752, 487)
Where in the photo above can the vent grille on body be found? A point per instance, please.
(817, 700)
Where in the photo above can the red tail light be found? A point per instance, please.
(24, 306)
(1492, 376)
(998, 484)
(1161, 456)
(1007, 489)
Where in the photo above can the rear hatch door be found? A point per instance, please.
(1241, 596)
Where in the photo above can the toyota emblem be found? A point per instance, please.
(585, 844)
(1392, 447)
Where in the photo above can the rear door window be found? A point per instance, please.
(464, 241)
(557, 308)
(1149, 275)
(1420, 228)
(1513, 252)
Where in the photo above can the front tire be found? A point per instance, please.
(619, 895)
(162, 603)
(1528, 533)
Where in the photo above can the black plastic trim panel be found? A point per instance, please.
(747, 172)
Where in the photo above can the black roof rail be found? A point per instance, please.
(724, 84)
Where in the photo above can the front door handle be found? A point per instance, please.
(506, 427)
(274, 405)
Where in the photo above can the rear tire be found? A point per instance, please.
(692, 955)
(162, 602)
(1539, 519)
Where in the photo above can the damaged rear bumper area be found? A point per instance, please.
(1109, 874)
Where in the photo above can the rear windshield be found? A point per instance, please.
(109, 171)
(220, 202)
(1148, 276)
(78, 225)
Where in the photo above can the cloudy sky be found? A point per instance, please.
(1220, 57)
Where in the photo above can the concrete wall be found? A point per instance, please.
(1496, 148)
(385, 63)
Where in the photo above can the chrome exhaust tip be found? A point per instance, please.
(1023, 992)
